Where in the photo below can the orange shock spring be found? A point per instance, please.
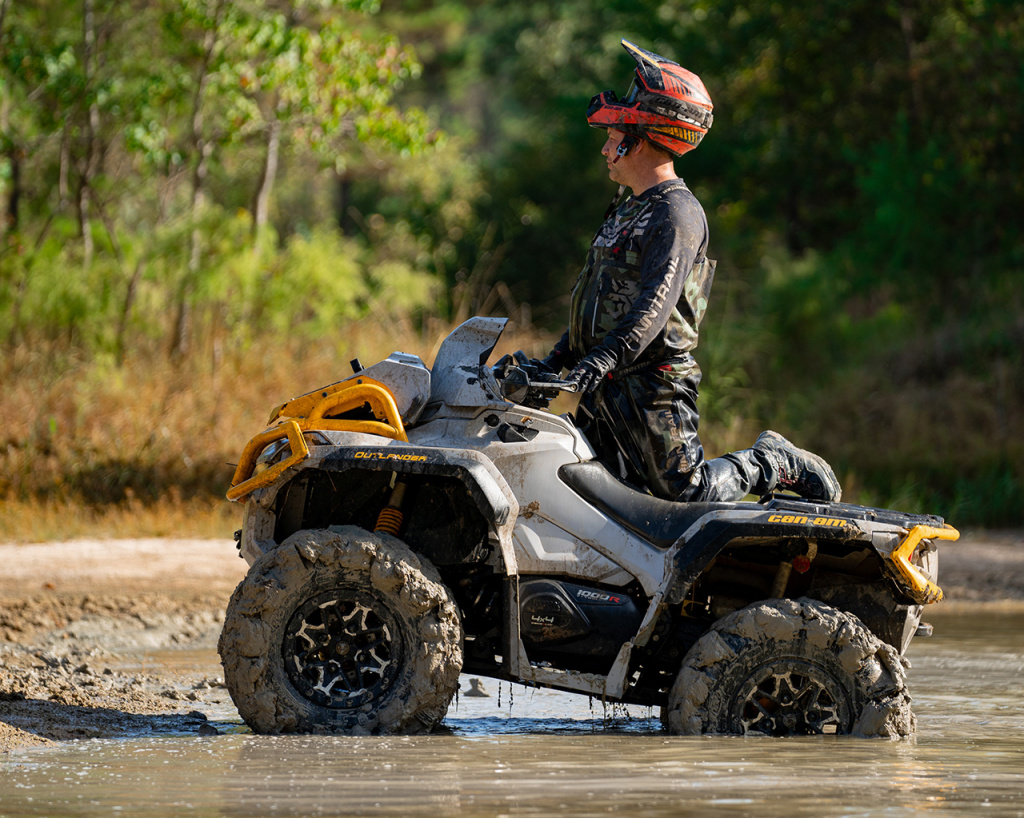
(390, 519)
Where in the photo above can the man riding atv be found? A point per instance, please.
(639, 300)
(410, 523)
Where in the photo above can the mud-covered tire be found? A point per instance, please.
(341, 631)
(790, 667)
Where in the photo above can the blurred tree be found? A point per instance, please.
(828, 113)
(145, 116)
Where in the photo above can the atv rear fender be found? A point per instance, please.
(902, 542)
(877, 564)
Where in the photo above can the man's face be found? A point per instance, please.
(615, 162)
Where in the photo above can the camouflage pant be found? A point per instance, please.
(644, 428)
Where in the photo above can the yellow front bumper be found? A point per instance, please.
(337, 400)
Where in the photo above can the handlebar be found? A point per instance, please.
(558, 385)
(520, 386)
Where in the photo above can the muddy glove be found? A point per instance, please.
(506, 364)
(552, 363)
(588, 374)
(535, 368)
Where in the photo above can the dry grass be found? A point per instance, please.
(91, 449)
(24, 521)
(147, 449)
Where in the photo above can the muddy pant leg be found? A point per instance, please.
(606, 428)
(650, 422)
(646, 426)
(728, 478)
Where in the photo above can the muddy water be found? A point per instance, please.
(521, 752)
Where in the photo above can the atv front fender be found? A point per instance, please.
(482, 480)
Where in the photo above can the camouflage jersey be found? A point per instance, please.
(639, 299)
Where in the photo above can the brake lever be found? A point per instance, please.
(516, 385)
(560, 385)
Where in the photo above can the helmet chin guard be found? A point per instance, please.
(666, 104)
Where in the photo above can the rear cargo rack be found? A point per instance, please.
(921, 589)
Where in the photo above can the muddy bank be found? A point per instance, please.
(983, 566)
(78, 619)
(88, 678)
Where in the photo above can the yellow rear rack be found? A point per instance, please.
(922, 589)
(337, 400)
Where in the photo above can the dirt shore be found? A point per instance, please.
(81, 623)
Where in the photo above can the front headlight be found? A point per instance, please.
(278, 450)
(274, 453)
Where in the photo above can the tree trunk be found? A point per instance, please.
(129, 300)
(14, 196)
(90, 166)
(268, 175)
(913, 67)
(9, 204)
(201, 148)
(344, 202)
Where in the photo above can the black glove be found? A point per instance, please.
(552, 363)
(535, 368)
(531, 365)
(587, 375)
(543, 369)
(506, 363)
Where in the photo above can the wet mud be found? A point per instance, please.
(88, 632)
(785, 633)
(74, 667)
(524, 752)
(91, 634)
(421, 622)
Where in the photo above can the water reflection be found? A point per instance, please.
(542, 753)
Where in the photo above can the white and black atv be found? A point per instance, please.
(411, 523)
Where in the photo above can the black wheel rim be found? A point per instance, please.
(791, 697)
(342, 649)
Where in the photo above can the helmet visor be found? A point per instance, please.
(599, 101)
(606, 98)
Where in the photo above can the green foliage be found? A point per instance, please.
(307, 288)
(425, 210)
(316, 284)
(184, 166)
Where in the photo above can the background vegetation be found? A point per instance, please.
(207, 207)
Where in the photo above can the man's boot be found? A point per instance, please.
(797, 470)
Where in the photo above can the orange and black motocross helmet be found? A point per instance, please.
(666, 104)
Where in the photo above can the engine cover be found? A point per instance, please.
(562, 619)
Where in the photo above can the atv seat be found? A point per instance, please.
(658, 521)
